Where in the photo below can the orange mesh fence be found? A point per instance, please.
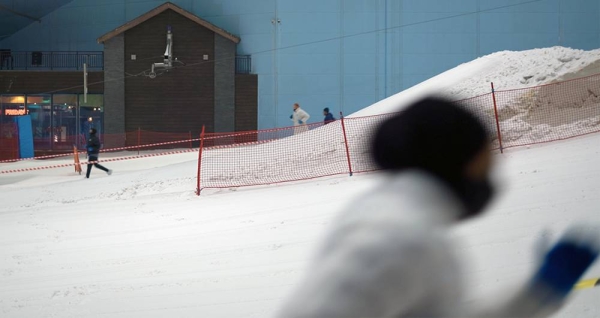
(299, 153)
(358, 136)
(272, 156)
(287, 154)
(483, 107)
(513, 118)
(550, 112)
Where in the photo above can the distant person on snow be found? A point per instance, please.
(390, 254)
(328, 116)
(93, 149)
(300, 118)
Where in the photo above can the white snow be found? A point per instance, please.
(139, 243)
(559, 111)
(506, 69)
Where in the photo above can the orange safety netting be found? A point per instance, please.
(287, 154)
(550, 112)
(513, 117)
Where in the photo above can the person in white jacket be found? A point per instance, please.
(300, 118)
(389, 253)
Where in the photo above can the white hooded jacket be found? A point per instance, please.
(299, 116)
(389, 255)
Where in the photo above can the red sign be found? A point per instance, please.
(15, 112)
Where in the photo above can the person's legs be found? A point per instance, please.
(89, 168)
(101, 167)
(97, 165)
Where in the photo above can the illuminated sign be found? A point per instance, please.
(15, 112)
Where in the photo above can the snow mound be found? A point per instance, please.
(529, 108)
(521, 69)
(506, 69)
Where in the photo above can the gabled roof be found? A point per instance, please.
(160, 9)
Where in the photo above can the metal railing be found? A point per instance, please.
(243, 64)
(46, 60)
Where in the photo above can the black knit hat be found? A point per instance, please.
(433, 135)
(326, 109)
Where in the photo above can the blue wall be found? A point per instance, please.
(350, 65)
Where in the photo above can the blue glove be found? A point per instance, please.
(300, 122)
(291, 116)
(90, 149)
(567, 261)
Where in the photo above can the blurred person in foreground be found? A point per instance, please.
(389, 254)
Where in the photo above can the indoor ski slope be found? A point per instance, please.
(140, 243)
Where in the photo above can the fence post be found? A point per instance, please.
(139, 139)
(346, 143)
(198, 189)
(497, 119)
(190, 139)
(76, 158)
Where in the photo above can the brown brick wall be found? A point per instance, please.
(178, 101)
(246, 102)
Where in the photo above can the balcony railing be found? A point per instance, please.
(45, 60)
(243, 64)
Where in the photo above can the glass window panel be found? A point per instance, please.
(92, 113)
(39, 108)
(12, 105)
(64, 121)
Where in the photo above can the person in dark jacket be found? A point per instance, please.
(328, 116)
(93, 149)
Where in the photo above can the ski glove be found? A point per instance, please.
(300, 122)
(568, 260)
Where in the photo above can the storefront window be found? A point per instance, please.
(64, 121)
(39, 109)
(12, 105)
(58, 121)
(91, 113)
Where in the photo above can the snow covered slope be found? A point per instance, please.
(140, 244)
(507, 69)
